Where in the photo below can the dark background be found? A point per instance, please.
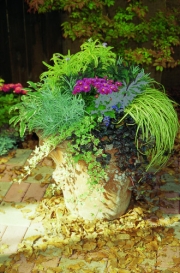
(27, 39)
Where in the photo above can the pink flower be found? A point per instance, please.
(17, 85)
(77, 89)
(5, 88)
(18, 90)
(118, 83)
(86, 87)
(102, 85)
(11, 85)
(79, 82)
(104, 90)
(23, 92)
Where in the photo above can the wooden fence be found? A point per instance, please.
(26, 40)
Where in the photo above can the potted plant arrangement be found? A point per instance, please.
(104, 123)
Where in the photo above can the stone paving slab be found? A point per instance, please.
(34, 230)
(4, 187)
(10, 240)
(171, 186)
(42, 174)
(16, 214)
(20, 158)
(171, 177)
(2, 230)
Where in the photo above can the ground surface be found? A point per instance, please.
(38, 235)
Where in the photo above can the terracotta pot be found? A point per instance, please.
(84, 202)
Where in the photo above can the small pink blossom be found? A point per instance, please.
(23, 92)
(18, 90)
(17, 85)
(5, 88)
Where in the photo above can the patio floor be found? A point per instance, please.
(18, 203)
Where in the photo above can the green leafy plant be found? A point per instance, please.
(51, 112)
(92, 99)
(9, 95)
(65, 69)
(156, 124)
(138, 35)
(6, 143)
(1, 81)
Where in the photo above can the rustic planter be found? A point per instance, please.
(84, 202)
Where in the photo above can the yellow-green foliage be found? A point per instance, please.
(157, 122)
(91, 53)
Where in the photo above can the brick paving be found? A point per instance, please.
(14, 227)
(14, 198)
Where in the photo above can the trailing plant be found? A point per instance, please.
(97, 103)
(136, 34)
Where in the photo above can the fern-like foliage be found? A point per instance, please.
(48, 111)
(92, 52)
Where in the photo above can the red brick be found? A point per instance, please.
(23, 265)
(35, 191)
(16, 192)
(50, 263)
(165, 256)
(8, 175)
(169, 206)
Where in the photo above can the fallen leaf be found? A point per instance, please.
(38, 177)
(76, 266)
(123, 236)
(89, 246)
(18, 206)
(124, 271)
(3, 247)
(2, 168)
(152, 246)
(26, 210)
(176, 261)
